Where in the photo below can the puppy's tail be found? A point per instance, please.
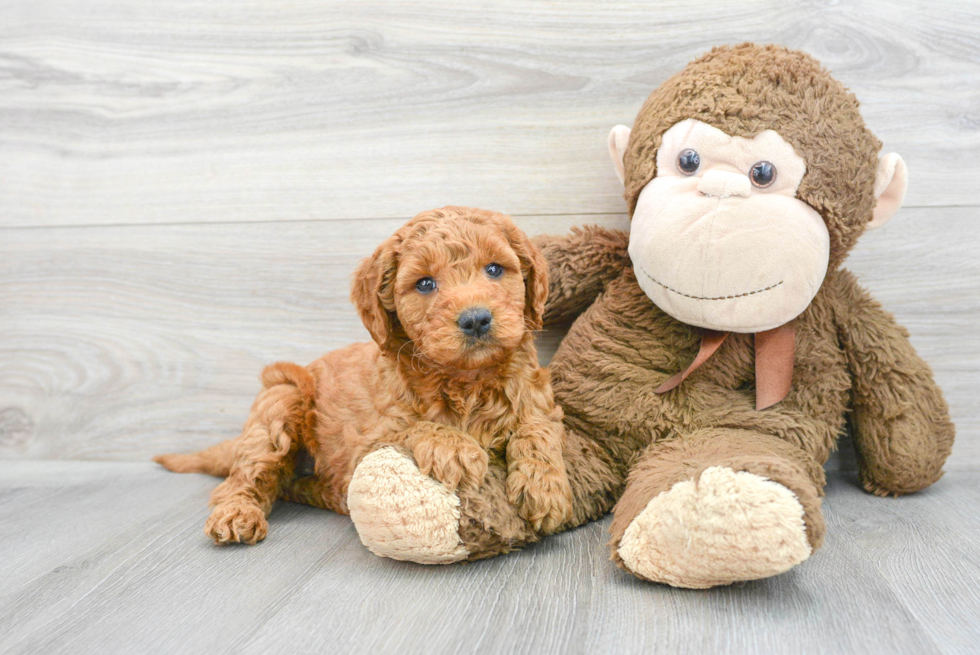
(216, 460)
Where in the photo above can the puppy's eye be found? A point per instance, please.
(495, 270)
(689, 161)
(762, 174)
(426, 285)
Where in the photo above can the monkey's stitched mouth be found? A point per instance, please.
(687, 295)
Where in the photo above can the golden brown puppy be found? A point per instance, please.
(451, 301)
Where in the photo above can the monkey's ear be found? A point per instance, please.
(619, 138)
(890, 184)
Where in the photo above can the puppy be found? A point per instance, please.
(451, 301)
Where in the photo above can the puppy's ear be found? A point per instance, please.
(534, 269)
(373, 294)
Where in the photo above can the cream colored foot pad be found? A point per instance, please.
(402, 514)
(725, 528)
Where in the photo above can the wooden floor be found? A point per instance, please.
(185, 188)
(111, 557)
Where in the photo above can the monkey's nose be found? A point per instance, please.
(724, 184)
(475, 322)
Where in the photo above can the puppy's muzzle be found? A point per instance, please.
(475, 322)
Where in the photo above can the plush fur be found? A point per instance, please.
(454, 402)
(748, 89)
(627, 445)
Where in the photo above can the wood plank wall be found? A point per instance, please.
(186, 186)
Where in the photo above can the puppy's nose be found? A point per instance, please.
(475, 322)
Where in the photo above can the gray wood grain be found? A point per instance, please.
(111, 557)
(121, 342)
(184, 189)
(125, 111)
(925, 546)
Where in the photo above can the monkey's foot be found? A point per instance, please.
(401, 513)
(725, 527)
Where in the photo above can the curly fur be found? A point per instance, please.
(454, 402)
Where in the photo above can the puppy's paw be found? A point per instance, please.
(541, 492)
(236, 523)
(449, 456)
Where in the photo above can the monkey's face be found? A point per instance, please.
(719, 239)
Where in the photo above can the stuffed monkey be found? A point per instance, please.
(719, 348)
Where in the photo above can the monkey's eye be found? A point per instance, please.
(426, 285)
(762, 174)
(689, 161)
(495, 270)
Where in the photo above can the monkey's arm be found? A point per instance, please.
(900, 420)
(580, 264)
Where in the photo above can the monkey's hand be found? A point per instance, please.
(900, 420)
(580, 264)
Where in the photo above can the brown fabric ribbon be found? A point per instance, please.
(774, 354)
